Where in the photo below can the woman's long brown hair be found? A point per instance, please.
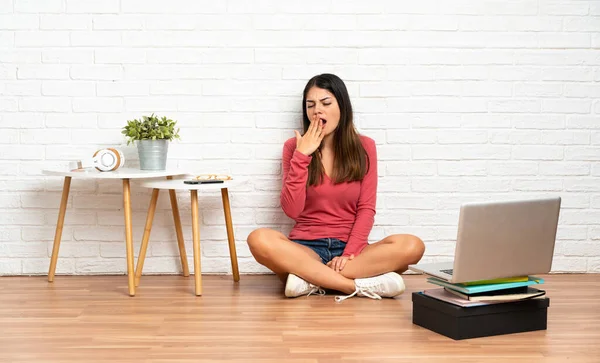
(351, 161)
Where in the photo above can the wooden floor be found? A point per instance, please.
(92, 319)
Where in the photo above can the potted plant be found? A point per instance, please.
(152, 135)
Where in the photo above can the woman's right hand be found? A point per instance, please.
(311, 140)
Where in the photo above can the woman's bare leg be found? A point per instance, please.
(392, 254)
(275, 251)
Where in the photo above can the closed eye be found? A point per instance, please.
(310, 105)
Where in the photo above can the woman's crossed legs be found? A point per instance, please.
(283, 256)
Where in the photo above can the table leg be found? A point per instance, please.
(196, 241)
(128, 236)
(179, 231)
(230, 237)
(59, 227)
(146, 237)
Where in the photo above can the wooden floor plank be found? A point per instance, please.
(92, 319)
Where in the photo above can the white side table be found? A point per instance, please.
(178, 184)
(124, 174)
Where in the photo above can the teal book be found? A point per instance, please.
(474, 289)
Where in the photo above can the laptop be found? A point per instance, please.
(500, 239)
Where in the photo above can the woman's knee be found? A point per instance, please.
(260, 240)
(410, 246)
(416, 248)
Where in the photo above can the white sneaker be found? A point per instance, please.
(295, 286)
(387, 285)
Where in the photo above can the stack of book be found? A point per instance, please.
(486, 292)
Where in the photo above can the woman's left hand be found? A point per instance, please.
(338, 263)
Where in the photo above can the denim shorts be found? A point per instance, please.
(326, 248)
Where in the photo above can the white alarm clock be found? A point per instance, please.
(109, 159)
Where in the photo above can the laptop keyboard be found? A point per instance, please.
(449, 271)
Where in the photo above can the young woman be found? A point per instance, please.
(329, 188)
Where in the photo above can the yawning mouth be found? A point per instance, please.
(324, 121)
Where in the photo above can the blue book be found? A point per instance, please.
(474, 289)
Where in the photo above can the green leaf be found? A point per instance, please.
(150, 128)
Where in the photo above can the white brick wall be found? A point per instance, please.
(468, 100)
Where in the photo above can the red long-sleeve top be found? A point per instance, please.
(345, 211)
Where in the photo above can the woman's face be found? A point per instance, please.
(321, 103)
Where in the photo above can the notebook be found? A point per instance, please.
(497, 281)
(514, 294)
(486, 287)
(443, 295)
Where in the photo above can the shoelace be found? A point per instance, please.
(316, 290)
(362, 290)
